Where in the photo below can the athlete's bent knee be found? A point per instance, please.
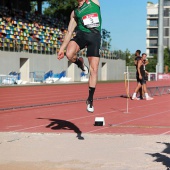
(70, 56)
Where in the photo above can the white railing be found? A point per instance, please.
(131, 71)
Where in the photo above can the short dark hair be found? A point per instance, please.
(144, 54)
(138, 51)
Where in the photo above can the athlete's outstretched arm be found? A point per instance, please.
(96, 2)
(72, 25)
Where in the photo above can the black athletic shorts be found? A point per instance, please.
(141, 81)
(90, 40)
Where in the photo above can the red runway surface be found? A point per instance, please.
(62, 109)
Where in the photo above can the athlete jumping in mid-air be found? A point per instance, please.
(87, 18)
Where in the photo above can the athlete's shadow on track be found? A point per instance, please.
(57, 124)
(163, 156)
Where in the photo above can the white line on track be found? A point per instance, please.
(114, 125)
(99, 114)
(66, 120)
(166, 133)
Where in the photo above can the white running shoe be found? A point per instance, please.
(149, 98)
(90, 107)
(135, 98)
(83, 67)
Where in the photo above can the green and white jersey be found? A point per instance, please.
(88, 17)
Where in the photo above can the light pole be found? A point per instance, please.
(160, 38)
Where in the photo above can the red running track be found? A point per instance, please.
(143, 117)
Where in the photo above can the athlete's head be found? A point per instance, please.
(137, 53)
(144, 55)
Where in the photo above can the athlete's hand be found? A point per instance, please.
(60, 55)
(140, 77)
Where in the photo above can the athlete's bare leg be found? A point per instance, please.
(136, 90)
(71, 54)
(72, 50)
(93, 66)
(138, 87)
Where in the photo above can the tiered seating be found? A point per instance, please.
(108, 54)
(30, 32)
(34, 33)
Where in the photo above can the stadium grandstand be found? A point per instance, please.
(23, 31)
(32, 32)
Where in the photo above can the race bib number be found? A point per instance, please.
(91, 20)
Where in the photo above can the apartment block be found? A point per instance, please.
(152, 27)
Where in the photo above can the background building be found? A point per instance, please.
(152, 30)
(29, 43)
(152, 27)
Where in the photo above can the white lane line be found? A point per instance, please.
(92, 115)
(165, 133)
(129, 121)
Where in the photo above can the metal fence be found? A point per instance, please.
(30, 47)
(131, 70)
(13, 45)
(37, 76)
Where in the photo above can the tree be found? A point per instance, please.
(59, 8)
(151, 67)
(129, 61)
(124, 55)
(167, 57)
(106, 39)
(33, 6)
(149, 2)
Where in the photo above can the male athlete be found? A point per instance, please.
(141, 78)
(137, 58)
(87, 18)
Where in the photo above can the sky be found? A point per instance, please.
(126, 22)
